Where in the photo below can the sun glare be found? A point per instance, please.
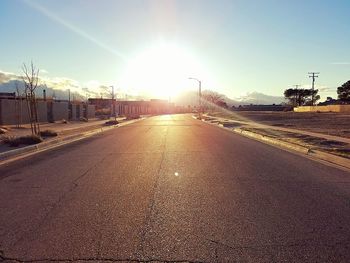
(161, 71)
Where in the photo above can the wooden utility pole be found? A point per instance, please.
(313, 75)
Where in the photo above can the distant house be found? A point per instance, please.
(101, 103)
(331, 101)
(7, 95)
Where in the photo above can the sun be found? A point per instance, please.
(161, 71)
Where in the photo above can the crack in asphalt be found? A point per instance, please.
(297, 244)
(148, 219)
(93, 259)
(216, 254)
(218, 244)
(74, 185)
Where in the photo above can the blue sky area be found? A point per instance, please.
(239, 46)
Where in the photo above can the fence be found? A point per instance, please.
(16, 111)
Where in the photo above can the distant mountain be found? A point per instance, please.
(58, 88)
(260, 99)
(191, 98)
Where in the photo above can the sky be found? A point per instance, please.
(150, 47)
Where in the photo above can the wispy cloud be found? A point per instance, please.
(340, 63)
(91, 88)
(7, 76)
(326, 89)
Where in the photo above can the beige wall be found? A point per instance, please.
(91, 111)
(9, 115)
(77, 111)
(328, 108)
(42, 111)
(59, 110)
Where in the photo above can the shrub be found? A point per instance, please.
(132, 117)
(2, 131)
(64, 121)
(30, 139)
(111, 122)
(48, 133)
(10, 140)
(105, 111)
(84, 119)
(103, 117)
(26, 140)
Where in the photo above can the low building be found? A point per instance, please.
(101, 103)
(253, 107)
(152, 107)
(7, 95)
(140, 107)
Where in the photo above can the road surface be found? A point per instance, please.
(171, 188)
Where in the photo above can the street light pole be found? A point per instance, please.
(199, 94)
(113, 103)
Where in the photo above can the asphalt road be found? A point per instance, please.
(171, 188)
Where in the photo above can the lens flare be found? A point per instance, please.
(73, 28)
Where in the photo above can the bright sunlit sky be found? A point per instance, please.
(234, 46)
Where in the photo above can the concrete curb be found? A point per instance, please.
(331, 158)
(6, 156)
(315, 154)
(328, 157)
(269, 140)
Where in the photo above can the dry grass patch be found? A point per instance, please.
(48, 133)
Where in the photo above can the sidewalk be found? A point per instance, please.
(62, 129)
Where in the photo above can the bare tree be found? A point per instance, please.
(110, 91)
(31, 78)
(213, 99)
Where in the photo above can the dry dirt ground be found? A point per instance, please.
(324, 123)
(337, 124)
